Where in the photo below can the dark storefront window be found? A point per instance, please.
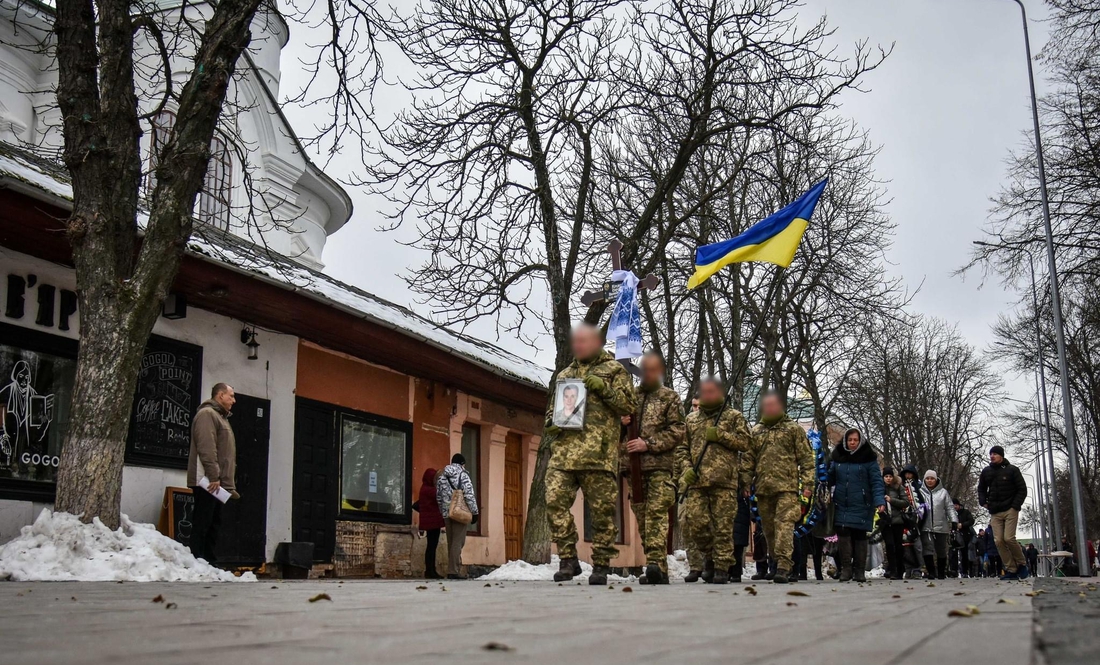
(375, 467)
(37, 373)
(471, 450)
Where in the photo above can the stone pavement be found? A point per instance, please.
(411, 621)
(1067, 619)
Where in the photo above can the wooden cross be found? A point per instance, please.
(610, 289)
(609, 293)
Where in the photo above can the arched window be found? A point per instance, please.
(212, 205)
(162, 124)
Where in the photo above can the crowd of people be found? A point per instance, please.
(739, 485)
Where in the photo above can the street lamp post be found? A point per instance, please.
(1084, 564)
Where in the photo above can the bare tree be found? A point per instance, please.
(529, 141)
(119, 65)
(926, 397)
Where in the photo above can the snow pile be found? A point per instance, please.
(59, 547)
(521, 571)
(678, 565)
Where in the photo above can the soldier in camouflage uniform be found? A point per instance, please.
(662, 430)
(708, 460)
(588, 458)
(780, 459)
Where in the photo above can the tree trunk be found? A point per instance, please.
(536, 531)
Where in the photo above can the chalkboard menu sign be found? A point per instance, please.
(167, 395)
(176, 514)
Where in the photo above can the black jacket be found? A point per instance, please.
(1000, 487)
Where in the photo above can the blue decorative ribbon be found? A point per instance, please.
(625, 326)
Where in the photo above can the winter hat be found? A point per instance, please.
(930, 474)
(457, 458)
(887, 471)
(997, 450)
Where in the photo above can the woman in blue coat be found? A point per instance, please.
(858, 491)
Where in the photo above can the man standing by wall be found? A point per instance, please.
(779, 459)
(707, 459)
(1001, 491)
(661, 430)
(588, 459)
(213, 456)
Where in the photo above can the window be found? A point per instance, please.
(471, 450)
(37, 373)
(213, 203)
(587, 516)
(212, 206)
(162, 124)
(376, 462)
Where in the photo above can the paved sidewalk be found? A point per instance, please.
(1067, 616)
(394, 621)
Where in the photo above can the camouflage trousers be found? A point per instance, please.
(779, 513)
(601, 490)
(708, 518)
(652, 516)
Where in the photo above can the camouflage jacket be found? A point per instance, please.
(661, 415)
(718, 467)
(596, 447)
(780, 458)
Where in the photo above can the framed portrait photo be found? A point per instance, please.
(569, 400)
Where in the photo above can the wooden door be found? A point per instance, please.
(513, 497)
(243, 537)
(316, 478)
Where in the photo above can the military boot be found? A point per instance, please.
(599, 575)
(652, 575)
(693, 576)
(720, 577)
(859, 566)
(708, 571)
(568, 568)
(781, 577)
(844, 551)
(761, 572)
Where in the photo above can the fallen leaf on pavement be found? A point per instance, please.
(797, 593)
(931, 584)
(171, 606)
(1007, 601)
(421, 588)
(158, 599)
(497, 646)
(960, 613)
(791, 603)
(960, 593)
(320, 596)
(627, 589)
(973, 609)
(895, 596)
(488, 585)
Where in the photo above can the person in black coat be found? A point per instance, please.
(742, 533)
(1002, 491)
(963, 535)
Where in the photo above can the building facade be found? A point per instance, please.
(344, 399)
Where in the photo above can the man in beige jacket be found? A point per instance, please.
(213, 456)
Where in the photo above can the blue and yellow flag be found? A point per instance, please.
(773, 239)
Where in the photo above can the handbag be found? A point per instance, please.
(457, 510)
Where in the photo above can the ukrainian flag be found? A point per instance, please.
(774, 239)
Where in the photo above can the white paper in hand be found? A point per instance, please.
(221, 495)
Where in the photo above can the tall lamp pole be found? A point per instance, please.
(1084, 564)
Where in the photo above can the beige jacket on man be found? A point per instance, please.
(213, 448)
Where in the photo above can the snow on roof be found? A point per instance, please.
(241, 254)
